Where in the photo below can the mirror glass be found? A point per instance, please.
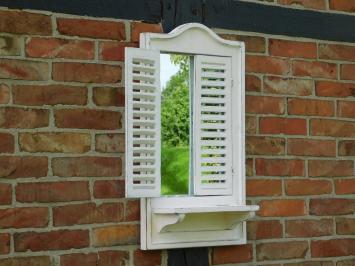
(175, 124)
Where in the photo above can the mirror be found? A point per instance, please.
(175, 124)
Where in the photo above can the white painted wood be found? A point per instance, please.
(197, 209)
(142, 123)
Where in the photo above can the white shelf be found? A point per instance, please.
(207, 209)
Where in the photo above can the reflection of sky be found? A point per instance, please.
(167, 69)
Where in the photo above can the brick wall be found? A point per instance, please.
(62, 147)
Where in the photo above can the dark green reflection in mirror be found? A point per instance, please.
(175, 124)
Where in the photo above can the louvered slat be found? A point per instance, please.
(143, 123)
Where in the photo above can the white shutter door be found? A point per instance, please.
(212, 126)
(142, 79)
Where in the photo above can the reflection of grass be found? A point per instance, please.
(175, 170)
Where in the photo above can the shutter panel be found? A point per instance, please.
(142, 77)
(212, 126)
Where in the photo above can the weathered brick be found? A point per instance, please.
(49, 95)
(232, 254)
(333, 128)
(333, 247)
(5, 194)
(53, 240)
(23, 70)
(279, 167)
(147, 257)
(253, 44)
(113, 258)
(310, 263)
(114, 51)
(116, 235)
(335, 89)
(91, 28)
(288, 86)
(85, 72)
(309, 228)
(310, 107)
(314, 69)
(345, 226)
(89, 259)
(311, 147)
(249, 167)
(52, 191)
(250, 125)
(4, 93)
(346, 262)
(282, 207)
(59, 48)
(346, 109)
(4, 244)
(346, 148)
(10, 45)
(13, 117)
(265, 105)
(281, 250)
(264, 229)
(55, 142)
(7, 144)
(87, 166)
(88, 118)
(106, 96)
(297, 187)
(20, 22)
(138, 27)
(292, 48)
(330, 168)
(18, 167)
(265, 146)
(252, 83)
(88, 213)
(344, 186)
(26, 261)
(24, 217)
(263, 187)
(333, 206)
(336, 52)
(267, 65)
(342, 5)
(280, 125)
(132, 212)
(347, 72)
(110, 143)
(109, 189)
(314, 4)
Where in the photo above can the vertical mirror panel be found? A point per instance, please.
(175, 124)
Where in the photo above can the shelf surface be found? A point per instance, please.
(206, 209)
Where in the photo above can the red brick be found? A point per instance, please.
(280, 125)
(344, 186)
(332, 128)
(336, 52)
(26, 261)
(4, 244)
(4, 94)
(19, 167)
(59, 48)
(347, 72)
(53, 240)
(253, 44)
(20, 22)
(132, 210)
(311, 147)
(49, 95)
(106, 96)
(264, 229)
(87, 166)
(13, 117)
(252, 83)
(314, 69)
(279, 167)
(250, 125)
(297, 187)
(88, 73)
(267, 65)
(292, 48)
(288, 86)
(265, 105)
(333, 247)
(23, 217)
(310, 107)
(87, 213)
(23, 70)
(263, 187)
(310, 263)
(342, 5)
(346, 109)
(232, 254)
(52, 191)
(265, 146)
(10, 45)
(138, 27)
(114, 51)
(91, 28)
(113, 258)
(249, 167)
(334, 89)
(110, 143)
(147, 257)
(281, 250)
(116, 235)
(345, 226)
(5, 194)
(104, 189)
(88, 118)
(90, 259)
(333, 206)
(330, 168)
(7, 144)
(309, 228)
(282, 207)
(314, 4)
(346, 148)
